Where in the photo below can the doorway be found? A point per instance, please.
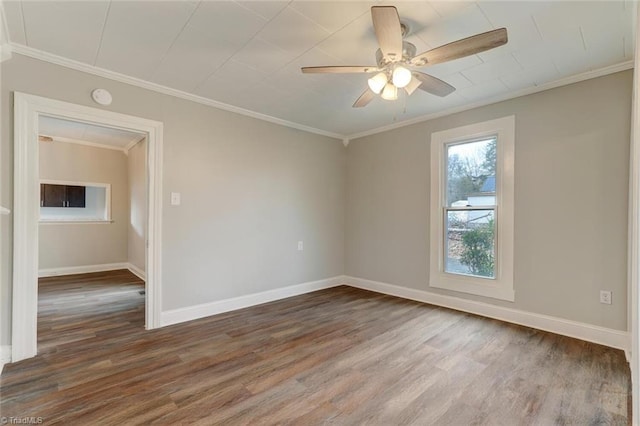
(92, 229)
(28, 110)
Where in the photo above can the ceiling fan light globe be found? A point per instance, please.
(390, 92)
(401, 77)
(377, 82)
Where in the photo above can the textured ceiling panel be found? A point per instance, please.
(136, 38)
(69, 29)
(82, 132)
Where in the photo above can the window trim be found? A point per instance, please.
(500, 287)
(73, 219)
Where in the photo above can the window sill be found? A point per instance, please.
(462, 284)
(74, 221)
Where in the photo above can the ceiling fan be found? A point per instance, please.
(396, 59)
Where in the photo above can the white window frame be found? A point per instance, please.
(67, 220)
(501, 286)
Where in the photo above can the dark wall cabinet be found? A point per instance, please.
(62, 195)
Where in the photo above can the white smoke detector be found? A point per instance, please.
(102, 97)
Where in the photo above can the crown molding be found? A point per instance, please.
(133, 143)
(623, 66)
(86, 143)
(79, 66)
(23, 50)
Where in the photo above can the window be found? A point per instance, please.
(62, 201)
(472, 209)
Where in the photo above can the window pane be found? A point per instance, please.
(471, 173)
(470, 247)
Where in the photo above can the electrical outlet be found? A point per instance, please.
(300, 246)
(605, 297)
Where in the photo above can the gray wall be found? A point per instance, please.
(571, 187)
(250, 190)
(64, 245)
(137, 221)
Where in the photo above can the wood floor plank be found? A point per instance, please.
(340, 356)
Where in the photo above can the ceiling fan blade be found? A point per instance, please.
(461, 48)
(338, 69)
(364, 99)
(413, 85)
(386, 23)
(433, 85)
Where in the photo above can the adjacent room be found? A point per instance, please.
(312, 212)
(93, 197)
(92, 217)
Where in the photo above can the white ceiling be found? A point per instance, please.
(248, 53)
(77, 132)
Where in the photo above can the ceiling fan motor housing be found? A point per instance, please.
(408, 52)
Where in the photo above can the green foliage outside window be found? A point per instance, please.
(477, 253)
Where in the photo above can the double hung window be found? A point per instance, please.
(472, 209)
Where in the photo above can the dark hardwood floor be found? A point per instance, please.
(339, 356)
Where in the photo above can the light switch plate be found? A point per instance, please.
(175, 198)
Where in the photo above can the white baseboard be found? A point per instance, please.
(591, 333)
(136, 271)
(5, 356)
(176, 316)
(69, 270)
